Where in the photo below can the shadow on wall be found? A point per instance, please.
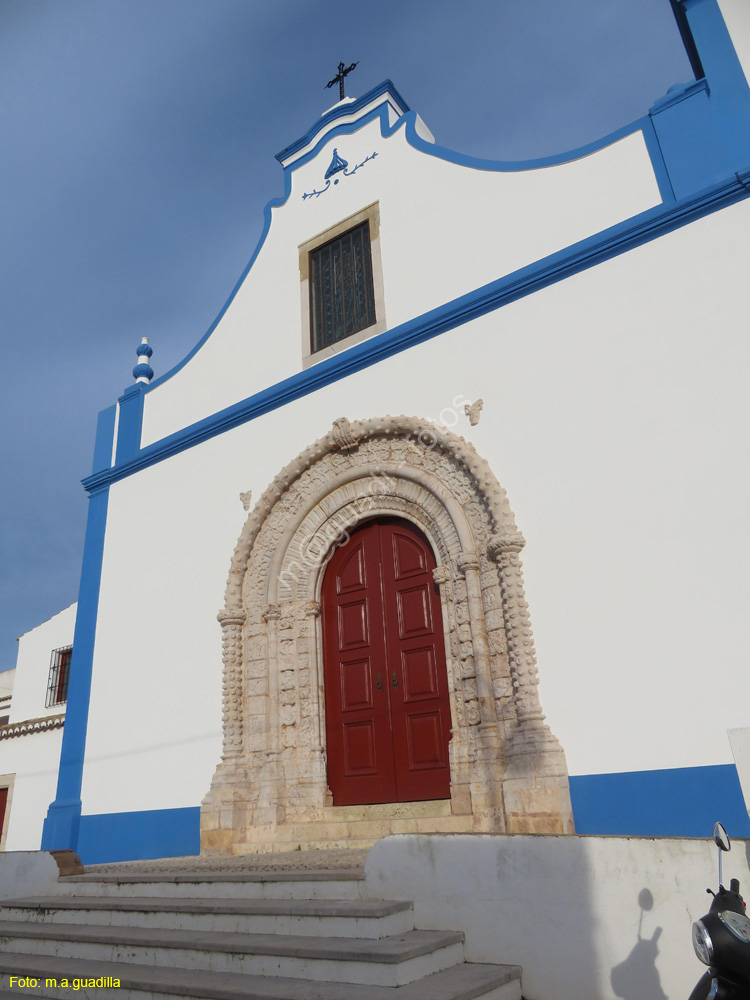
(637, 978)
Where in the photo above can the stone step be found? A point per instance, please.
(332, 835)
(292, 884)
(332, 918)
(387, 810)
(139, 982)
(302, 842)
(390, 961)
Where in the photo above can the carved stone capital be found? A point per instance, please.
(439, 575)
(498, 545)
(312, 609)
(271, 613)
(231, 616)
(342, 434)
(467, 560)
(246, 499)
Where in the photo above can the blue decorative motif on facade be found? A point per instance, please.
(337, 164)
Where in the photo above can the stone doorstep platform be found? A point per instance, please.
(339, 864)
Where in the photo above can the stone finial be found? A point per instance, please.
(343, 437)
(472, 411)
(143, 372)
(246, 499)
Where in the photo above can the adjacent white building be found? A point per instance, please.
(431, 363)
(32, 716)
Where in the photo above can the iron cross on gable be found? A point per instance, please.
(339, 78)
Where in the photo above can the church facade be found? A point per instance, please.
(432, 364)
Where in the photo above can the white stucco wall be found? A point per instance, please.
(7, 680)
(32, 667)
(585, 917)
(739, 740)
(445, 230)
(34, 759)
(615, 414)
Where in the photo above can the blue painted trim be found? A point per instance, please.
(61, 825)
(384, 89)
(678, 802)
(730, 93)
(105, 433)
(657, 161)
(134, 836)
(130, 423)
(408, 121)
(730, 103)
(690, 139)
(512, 166)
(679, 92)
(620, 238)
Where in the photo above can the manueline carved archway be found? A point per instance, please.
(508, 772)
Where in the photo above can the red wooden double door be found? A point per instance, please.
(386, 687)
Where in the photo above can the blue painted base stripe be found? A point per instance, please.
(678, 802)
(135, 836)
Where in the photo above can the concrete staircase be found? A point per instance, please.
(270, 935)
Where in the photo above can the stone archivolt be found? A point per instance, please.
(508, 772)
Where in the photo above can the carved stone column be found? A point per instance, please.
(457, 749)
(504, 550)
(231, 621)
(312, 612)
(271, 615)
(536, 789)
(468, 565)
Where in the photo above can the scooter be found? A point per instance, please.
(721, 939)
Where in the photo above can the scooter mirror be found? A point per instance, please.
(721, 838)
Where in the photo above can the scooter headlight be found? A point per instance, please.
(702, 943)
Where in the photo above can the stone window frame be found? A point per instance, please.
(371, 214)
(508, 771)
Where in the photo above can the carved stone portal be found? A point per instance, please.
(508, 772)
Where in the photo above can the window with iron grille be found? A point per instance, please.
(59, 675)
(342, 300)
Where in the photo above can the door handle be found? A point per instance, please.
(394, 682)
(379, 685)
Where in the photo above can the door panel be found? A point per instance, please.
(358, 728)
(414, 616)
(356, 685)
(424, 741)
(386, 686)
(419, 673)
(353, 625)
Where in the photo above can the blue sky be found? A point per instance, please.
(138, 142)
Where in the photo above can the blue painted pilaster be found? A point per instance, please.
(64, 814)
(130, 423)
(729, 90)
